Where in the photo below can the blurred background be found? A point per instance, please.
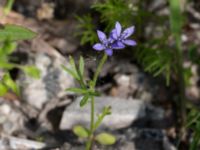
(153, 88)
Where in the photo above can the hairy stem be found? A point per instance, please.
(92, 106)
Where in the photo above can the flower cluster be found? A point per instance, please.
(117, 39)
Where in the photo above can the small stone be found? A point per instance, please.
(5, 109)
(46, 11)
(18, 143)
(129, 146)
(124, 113)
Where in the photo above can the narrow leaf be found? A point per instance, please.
(71, 72)
(7, 80)
(106, 111)
(32, 71)
(6, 65)
(7, 48)
(74, 69)
(77, 90)
(84, 100)
(3, 89)
(81, 65)
(15, 32)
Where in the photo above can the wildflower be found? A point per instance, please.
(116, 40)
(121, 37)
(106, 44)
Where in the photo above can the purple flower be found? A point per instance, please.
(116, 40)
(106, 44)
(121, 37)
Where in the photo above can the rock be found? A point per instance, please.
(143, 139)
(17, 143)
(46, 11)
(11, 119)
(123, 88)
(52, 83)
(129, 146)
(124, 112)
(131, 81)
(63, 45)
(192, 91)
(137, 85)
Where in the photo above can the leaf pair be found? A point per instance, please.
(76, 72)
(103, 138)
(84, 91)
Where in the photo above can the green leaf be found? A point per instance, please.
(32, 71)
(106, 111)
(80, 131)
(14, 33)
(77, 90)
(84, 100)
(105, 139)
(3, 89)
(6, 65)
(73, 65)
(71, 72)
(7, 80)
(81, 65)
(7, 48)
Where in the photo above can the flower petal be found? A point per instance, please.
(118, 28)
(113, 34)
(110, 40)
(128, 32)
(102, 36)
(118, 45)
(99, 47)
(109, 52)
(130, 42)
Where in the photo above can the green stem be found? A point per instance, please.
(92, 87)
(103, 60)
(176, 22)
(182, 99)
(90, 140)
